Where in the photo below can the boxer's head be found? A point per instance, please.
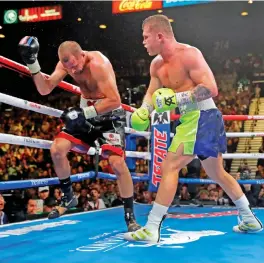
(156, 29)
(72, 56)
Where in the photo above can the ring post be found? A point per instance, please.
(160, 137)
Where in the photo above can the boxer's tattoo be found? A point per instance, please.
(201, 92)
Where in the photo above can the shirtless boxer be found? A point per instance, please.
(100, 117)
(182, 69)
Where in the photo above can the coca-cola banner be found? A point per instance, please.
(129, 6)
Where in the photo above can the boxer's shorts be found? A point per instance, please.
(202, 133)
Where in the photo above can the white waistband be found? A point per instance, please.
(84, 102)
(206, 104)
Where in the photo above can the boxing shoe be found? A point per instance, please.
(132, 225)
(67, 201)
(143, 234)
(248, 224)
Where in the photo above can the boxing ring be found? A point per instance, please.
(190, 234)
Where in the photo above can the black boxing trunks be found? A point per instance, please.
(109, 132)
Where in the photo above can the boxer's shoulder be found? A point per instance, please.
(96, 57)
(190, 52)
(156, 63)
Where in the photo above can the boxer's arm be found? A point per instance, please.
(45, 86)
(107, 86)
(201, 74)
(154, 84)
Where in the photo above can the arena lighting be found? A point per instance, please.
(102, 26)
(250, 1)
(2, 36)
(244, 13)
(171, 20)
(0, 27)
(160, 11)
(79, 19)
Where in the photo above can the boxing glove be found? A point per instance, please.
(28, 48)
(75, 121)
(164, 99)
(140, 119)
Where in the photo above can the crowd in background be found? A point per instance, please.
(20, 163)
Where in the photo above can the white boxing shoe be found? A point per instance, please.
(143, 234)
(248, 225)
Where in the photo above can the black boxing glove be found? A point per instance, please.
(75, 121)
(28, 48)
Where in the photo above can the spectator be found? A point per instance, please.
(43, 192)
(49, 204)
(32, 207)
(3, 216)
(31, 193)
(184, 194)
(83, 198)
(77, 189)
(96, 203)
(57, 194)
(261, 197)
(118, 201)
(203, 195)
(110, 195)
(214, 195)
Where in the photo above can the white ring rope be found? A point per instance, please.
(228, 134)
(44, 144)
(28, 105)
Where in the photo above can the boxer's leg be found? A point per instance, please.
(59, 150)
(126, 188)
(212, 125)
(114, 150)
(171, 166)
(215, 170)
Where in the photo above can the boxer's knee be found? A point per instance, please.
(168, 167)
(173, 163)
(60, 148)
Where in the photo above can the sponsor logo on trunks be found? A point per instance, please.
(170, 238)
(203, 215)
(160, 118)
(160, 152)
(125, 6)
(25, 230)
(112, 138)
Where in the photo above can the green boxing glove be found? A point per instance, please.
(140, 119)
(164, 99)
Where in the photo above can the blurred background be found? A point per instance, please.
(230, 35)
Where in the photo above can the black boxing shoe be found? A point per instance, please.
(132, 225)
(67, 202)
